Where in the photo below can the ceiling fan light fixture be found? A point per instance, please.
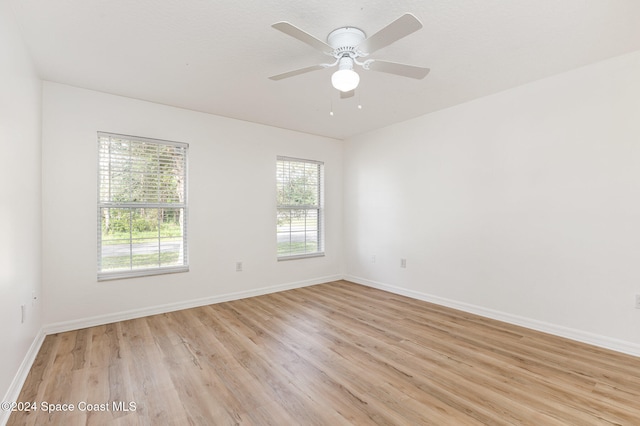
(345, 80)
(347, 44)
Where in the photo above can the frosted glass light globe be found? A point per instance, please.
(345, 80)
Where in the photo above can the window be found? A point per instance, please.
(300, 213)
(142, 206)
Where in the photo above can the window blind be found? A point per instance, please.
(300, 208)
(142, 206)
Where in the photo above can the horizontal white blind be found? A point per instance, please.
(300, 208)
(142, 206)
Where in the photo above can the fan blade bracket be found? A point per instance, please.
(366, 63)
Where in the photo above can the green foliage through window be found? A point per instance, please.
(300, 207)
(142, 204)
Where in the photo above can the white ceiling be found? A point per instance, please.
(215, 55)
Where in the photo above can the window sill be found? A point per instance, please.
(300, 256)
(108, 276)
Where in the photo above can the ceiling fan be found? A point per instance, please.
(348, 44)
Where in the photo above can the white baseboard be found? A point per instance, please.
(21, 376)
(569, 333)
(60, 327)
(629, 348)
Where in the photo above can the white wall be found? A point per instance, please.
(524, 205)
(20, 217)
(231, 195)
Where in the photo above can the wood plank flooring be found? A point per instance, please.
(331, 354)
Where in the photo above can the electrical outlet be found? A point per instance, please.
(23, 313)
(373, 258)
(238, 266)
(403, 263)
(637, 301)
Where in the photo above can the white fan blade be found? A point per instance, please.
(297, 72)
(301, 35)
(404, 70)
(401, 27)
(349, 94)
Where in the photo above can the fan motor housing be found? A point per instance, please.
(345, 40)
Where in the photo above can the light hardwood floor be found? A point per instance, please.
(330, 354)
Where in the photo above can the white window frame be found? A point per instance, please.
(105, 164)
(318, 208)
